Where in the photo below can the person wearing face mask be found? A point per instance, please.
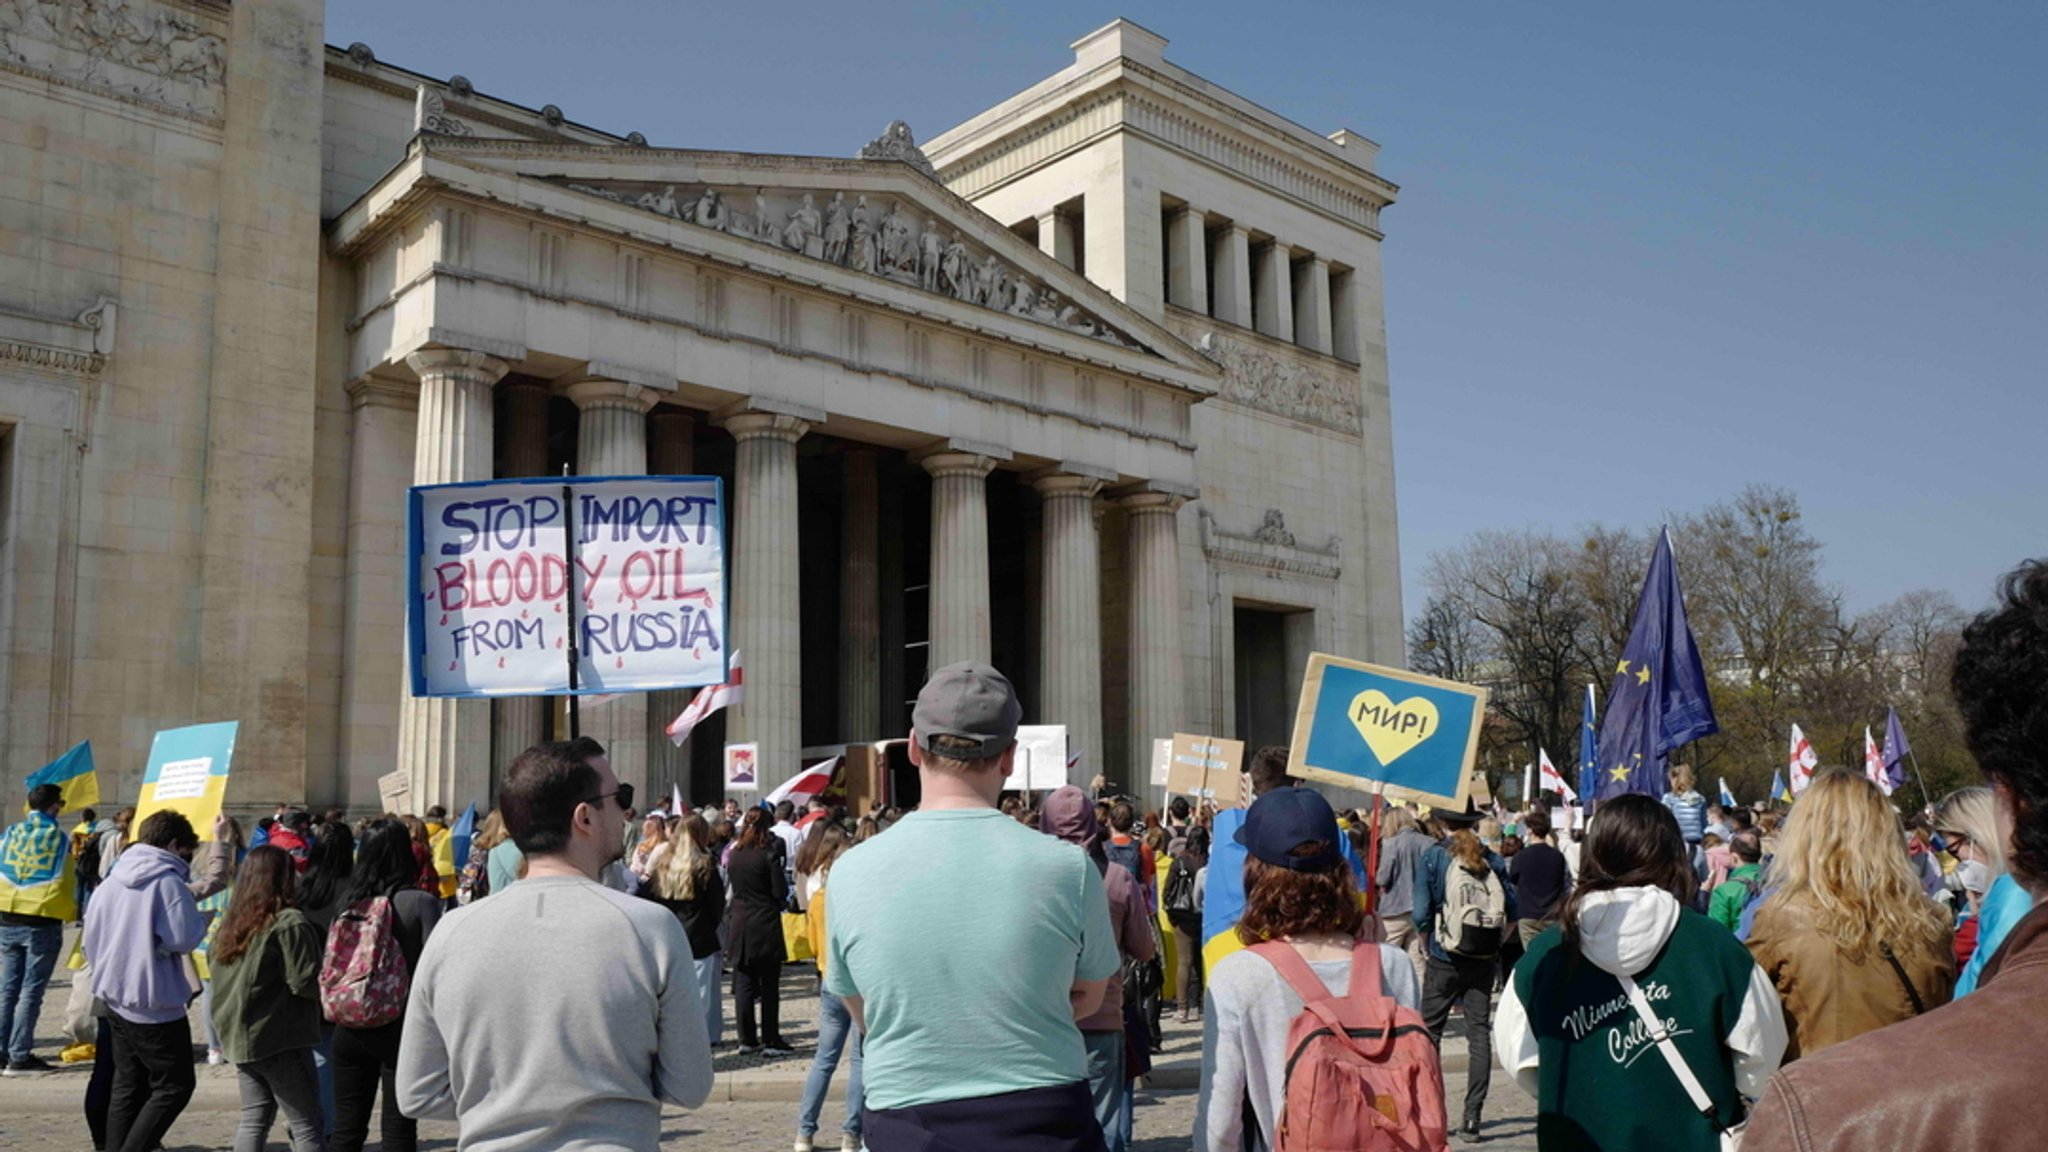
(141, 925)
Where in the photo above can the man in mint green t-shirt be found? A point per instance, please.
(966, 945)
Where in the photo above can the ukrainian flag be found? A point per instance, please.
(73, 773)
(36, 877)
(1223, 895)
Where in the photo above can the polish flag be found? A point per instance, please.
(1873, 763)
(705, 702)
(1802, 761)
(1552, 780)
(806, 784)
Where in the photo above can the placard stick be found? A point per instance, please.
(569, 556)
(1372, 851)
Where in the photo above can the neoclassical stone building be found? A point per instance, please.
(1093, 386)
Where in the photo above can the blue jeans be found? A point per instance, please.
(1108, 1088)
(711, 994)
(836, 1033)
(27, 957)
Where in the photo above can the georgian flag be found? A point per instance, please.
(1802, 761)
(1873, 764)
(705, 703)
(1552, 780)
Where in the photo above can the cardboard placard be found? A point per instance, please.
(394, 791)
(742, 767)
(1206, 767)
(500, 587)
(1041, 761)
(188, 773)
(1162, 758)
(1364, 726)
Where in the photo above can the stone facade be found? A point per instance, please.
(1074, 387)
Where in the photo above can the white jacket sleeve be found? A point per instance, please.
(1758, 1038)
(1514, 1042)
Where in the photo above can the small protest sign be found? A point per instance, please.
(1374, 728)
(742, 767)
(394, 790)
(1041, 761)
(188, 773)
(1206, 767)
(505, 575)
(1162, 757)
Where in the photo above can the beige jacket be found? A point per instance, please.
(1827, 998)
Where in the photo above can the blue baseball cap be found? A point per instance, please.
(1283, 820)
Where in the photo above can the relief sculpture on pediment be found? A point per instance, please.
(883, 239)
(131, 49)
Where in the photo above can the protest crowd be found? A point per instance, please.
(994, 967)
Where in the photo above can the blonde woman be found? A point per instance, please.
(474, 883)
(685, 881)
(1966, 822)
(647, 853)
(1846, 934)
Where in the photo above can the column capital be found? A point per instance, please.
(1067, 479)
(597, 392)
(479, 367)
(1154, 496)
(1195, 210)
(383, 392)
(941, 464)
(1321, 262)
(746, 426)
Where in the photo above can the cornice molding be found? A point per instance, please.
(1271, 549)
(79, 347)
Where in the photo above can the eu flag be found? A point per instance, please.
(1895, 749)
(1659, 698)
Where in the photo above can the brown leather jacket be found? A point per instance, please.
(1965, 1078)
(1827, 998)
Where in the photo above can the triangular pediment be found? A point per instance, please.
(866, 218)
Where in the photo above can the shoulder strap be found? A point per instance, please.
(1679, 1068)
(1365, 957)
(1292, 968)
(1912, 993)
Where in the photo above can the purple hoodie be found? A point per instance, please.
(1069, 815)
(138, 927)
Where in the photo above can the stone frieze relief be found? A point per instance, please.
(131, 48)
(1260, 379)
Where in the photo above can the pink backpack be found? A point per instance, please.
(1361, 1073)
(363, 976)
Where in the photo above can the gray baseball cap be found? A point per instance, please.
(970, 701)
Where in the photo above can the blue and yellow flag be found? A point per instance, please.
(1779, 792)
(1223, 894)
(1659, 697)
(73, 773)
(36, 877)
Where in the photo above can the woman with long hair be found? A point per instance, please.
(1847, 934)
(323, 888)
(753, 934)
(266, 1002)
(653, 838)
(827, 842)
(686, 882)
(1302, 921)
(1569, 1026)
(1183, 906)
(475, 881)
(429, 878)
(366, 1059)
(213, 908)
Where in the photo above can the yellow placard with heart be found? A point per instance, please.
(1392, 730)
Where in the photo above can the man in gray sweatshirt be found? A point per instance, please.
(558, 1014)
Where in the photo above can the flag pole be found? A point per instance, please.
(569, 591)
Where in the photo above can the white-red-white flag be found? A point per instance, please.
(705, 702)
(1873, 763)
(1553, 780)
(801, 787)
(1802, 762)
(675, 799)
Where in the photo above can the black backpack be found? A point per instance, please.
(1180, 890)
(1129, 856)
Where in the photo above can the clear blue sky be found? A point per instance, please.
(1644, 253)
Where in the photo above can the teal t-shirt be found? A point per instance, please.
(963, 932)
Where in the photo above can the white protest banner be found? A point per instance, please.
(1162, 755)
(500, 586)
(395, 790)
(1041, 761)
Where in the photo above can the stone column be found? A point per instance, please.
(1275, 288)
(519, 722)
(1187, 261)
(1233, 302)
(1070, 661)
(384, 417)
(1344, 316)
(1056, 236)
(443, 744)
(766, 628)
(860, 600)
(1155, 653)
(959, 589)
(1312, 305)
(671, 451)
(611, 440)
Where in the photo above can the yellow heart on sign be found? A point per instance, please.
(1392, 730)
